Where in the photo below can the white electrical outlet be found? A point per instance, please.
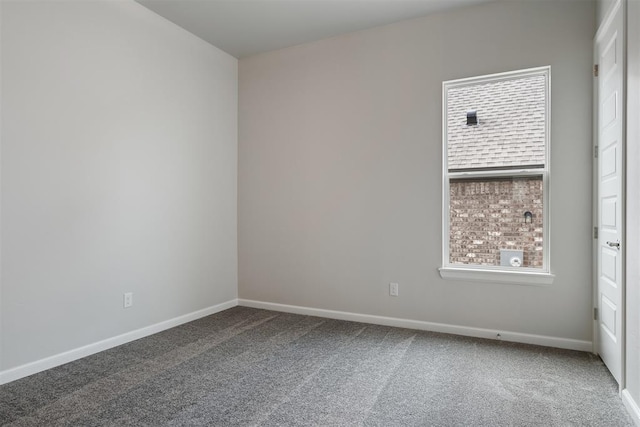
(128, 299)
(393, 289)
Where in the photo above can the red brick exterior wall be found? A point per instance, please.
(488, 215)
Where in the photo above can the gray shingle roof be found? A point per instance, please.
(511, 128)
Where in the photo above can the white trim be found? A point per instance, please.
(631, 406)
(497, 276)
(623, 206)
(507, 173)
(542, 340)
(594, 193)
(1, 297)
(544, 172)
(507, 75)
(89, 349)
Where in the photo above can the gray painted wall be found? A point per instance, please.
(119, 166)
(340, 168)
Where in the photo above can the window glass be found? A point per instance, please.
(496, 171)
(490, 222)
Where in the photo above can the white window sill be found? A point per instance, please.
(497, 276)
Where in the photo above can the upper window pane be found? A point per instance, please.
(510, 130)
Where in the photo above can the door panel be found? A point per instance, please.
(609, 317)
(608, 212)
(609, 270)
(609, 113)
(610, 178)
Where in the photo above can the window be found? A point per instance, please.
(496, 178)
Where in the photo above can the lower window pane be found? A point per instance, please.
(496, 221)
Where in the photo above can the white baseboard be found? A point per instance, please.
(542, 340)
(87, 350)
(631, 406)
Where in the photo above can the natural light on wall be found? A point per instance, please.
(496, 176)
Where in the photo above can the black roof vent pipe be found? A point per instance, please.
(472, 118)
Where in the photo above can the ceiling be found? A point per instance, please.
(248, 27)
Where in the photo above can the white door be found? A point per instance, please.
(609, 53)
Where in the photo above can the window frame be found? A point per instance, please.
(488, 273)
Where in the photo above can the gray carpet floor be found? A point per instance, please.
(248, 367)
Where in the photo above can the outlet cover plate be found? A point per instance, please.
(128, 299)
(393, 289)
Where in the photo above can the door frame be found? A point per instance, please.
(606, 22)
